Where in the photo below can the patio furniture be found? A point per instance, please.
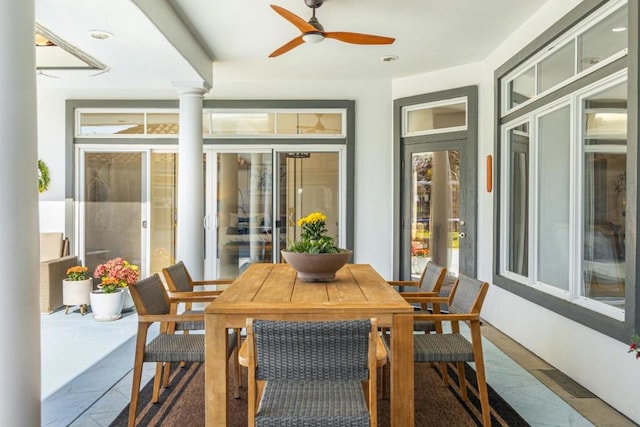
(153, 305)
(312, 373)
(181, 285)
(272, 291)
(465, 302)
(429, 285)
(54, 262)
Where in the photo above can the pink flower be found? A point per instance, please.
(119, 269)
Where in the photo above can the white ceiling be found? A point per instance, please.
(158, 42)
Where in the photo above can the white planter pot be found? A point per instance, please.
(128, 301)
(106, 307)
(76, 292)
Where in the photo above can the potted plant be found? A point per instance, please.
(107, 302)
(314, 256)
(635, 346)
(76, 288)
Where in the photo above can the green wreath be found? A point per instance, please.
(43, 176)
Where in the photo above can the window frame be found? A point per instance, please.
(554, 45)
(575, 310)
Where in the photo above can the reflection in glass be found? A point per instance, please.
(244, 123)
(309, 182)
(603, 40)
(518, 201)
(605, 192)
(435, 219)
(309, 123)
(163, 123)
(557, 67)
(554, 132)
(112, 207)
(111, 123)
(244, 211)
(439, 117)
(163, 212)
(522, 88)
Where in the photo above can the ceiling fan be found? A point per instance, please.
(313, 31)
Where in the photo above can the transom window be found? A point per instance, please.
(93, 123)
(598, 40)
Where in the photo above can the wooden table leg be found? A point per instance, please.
(402, 371)
(216, 375)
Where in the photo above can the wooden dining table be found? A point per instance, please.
(273, 291)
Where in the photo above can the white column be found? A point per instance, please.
(19, 259)
(190, 229)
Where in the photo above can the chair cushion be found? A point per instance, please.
(313, 403)
(441, 348)
(51, 246)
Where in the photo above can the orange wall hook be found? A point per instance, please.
(489, 173)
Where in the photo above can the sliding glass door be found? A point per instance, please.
(112, 207)
(252, 212)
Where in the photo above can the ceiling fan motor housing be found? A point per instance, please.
(313, 3)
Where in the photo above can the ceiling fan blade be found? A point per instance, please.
(300, 23)
(358, 38)
(287, 47)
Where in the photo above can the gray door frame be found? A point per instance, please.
(465, 141)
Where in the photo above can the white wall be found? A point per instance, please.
(373, 171)
(594, 360)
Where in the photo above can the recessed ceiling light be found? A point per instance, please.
(389, 58)
(619, 29)
(100, 35)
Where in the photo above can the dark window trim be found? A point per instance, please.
(599, 322)
(439, 141)
(348, 105)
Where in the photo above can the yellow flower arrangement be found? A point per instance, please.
(313, 238)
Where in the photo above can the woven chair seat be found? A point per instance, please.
(318, 403)
(181, 348)
(442, 348)
(437, 348)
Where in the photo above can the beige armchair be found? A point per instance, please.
(54, 262)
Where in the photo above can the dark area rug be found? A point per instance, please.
(182, 403)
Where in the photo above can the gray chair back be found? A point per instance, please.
(178, 277)
(312, 350)
(465, 295)
(149, 296)
(432, 278)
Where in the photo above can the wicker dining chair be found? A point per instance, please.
(153, 305)
(182, 286)
(312, 373)
(429, 285)
(464, 302)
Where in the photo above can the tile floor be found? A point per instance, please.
(86, 376)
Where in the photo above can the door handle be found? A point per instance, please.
(462, 234)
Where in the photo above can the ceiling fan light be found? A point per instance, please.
(313, 37)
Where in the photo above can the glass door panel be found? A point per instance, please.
(113, 187)
(434, 211)
(244, 210)
(163, 212)
(309, 182)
